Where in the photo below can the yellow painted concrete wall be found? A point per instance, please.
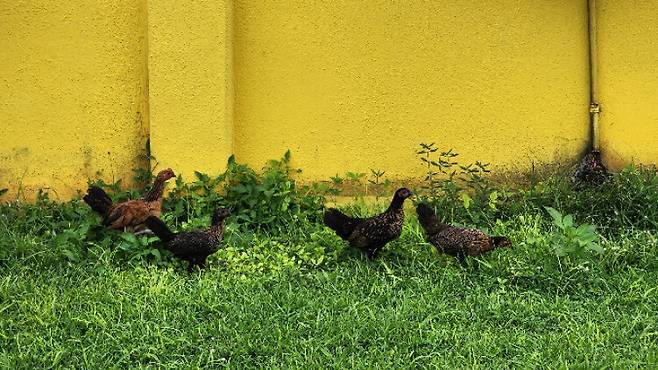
(628, 80)
(73, 90)
(346, 85)
(353, 85)
(190, 84)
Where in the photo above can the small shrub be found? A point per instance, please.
(267, 200)
(571, 240)
(463, 192)
(378, 186)
(189, 201)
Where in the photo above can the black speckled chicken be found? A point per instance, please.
(591, 171)
(192, 246)
(455, 241)
(370, 234)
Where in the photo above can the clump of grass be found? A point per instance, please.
(627, 200)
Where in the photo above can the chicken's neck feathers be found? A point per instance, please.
(440, 226)
(396, 204)
(217, 230)
(434, 225)
(156, 191)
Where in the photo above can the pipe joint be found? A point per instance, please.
(594, 107)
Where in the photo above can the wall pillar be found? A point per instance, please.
(190, 84)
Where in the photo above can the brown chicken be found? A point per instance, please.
(456, 241)
(129, 215)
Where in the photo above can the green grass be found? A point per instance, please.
(417, 312)
(74, 295)
(411, 307)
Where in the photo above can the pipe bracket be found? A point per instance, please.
(594, 107)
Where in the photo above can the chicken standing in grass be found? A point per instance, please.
(192, 246)
(455, 241)
(129, 215)
(370, 234)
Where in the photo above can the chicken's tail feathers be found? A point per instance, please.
(428, 219)
(341, 223)
(98, 200)
(159, 228)
(501, 241)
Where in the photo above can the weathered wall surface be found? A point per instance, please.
(628, 81)
(353, 85)
(73, 90)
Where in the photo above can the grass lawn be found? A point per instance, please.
(73, 295)
(407, 309)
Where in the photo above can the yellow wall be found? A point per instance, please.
(73, 88)
(628, 80)
(190, 84)
(353, 85)
(346, 85)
